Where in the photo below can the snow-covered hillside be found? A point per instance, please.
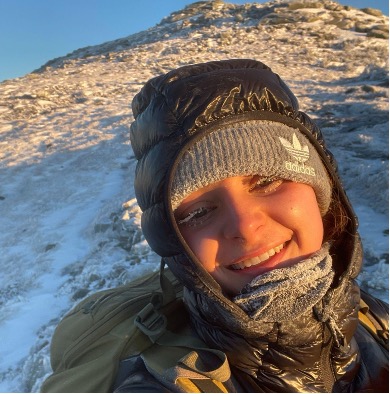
(69, 224)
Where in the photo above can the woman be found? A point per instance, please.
(242, 199)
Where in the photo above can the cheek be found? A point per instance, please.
(305, 216)
(204, 247)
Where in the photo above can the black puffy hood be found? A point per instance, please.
(172, 112)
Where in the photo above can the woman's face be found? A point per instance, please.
(244, 226)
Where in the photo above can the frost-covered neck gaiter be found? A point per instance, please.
(286, 293)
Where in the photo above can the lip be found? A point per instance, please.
(260, 260)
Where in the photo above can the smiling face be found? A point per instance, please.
(244, 226)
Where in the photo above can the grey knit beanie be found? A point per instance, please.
(262, 148)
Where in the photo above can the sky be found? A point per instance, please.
(33, 32)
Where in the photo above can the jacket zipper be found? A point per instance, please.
(326, 366)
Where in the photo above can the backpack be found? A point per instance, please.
(141, 318)
(112, 325)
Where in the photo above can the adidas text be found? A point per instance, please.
(300, 168)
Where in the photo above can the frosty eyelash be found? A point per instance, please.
(190, 216)
(266, 184)
(195, 217)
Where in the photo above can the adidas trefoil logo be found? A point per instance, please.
(300, 154)
(297, 151)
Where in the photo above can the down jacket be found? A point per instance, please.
(171, 112)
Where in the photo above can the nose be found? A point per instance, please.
(244, 220)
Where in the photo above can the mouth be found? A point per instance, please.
(258, 259)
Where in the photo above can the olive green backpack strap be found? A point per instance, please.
(178, 357)
(376, 325)
(186, 362)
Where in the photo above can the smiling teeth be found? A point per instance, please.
(258, 259)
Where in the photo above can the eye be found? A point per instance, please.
(264, 185)
(195, 217)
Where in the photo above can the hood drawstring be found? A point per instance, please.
(325, 314)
